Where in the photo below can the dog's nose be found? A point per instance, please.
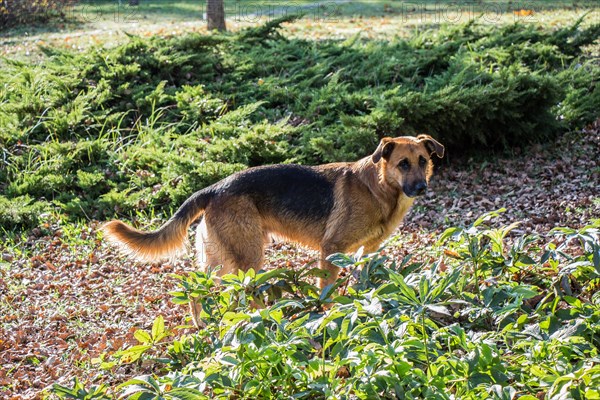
(420, 188)
(417, 190)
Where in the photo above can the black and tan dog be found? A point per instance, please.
(332, 208)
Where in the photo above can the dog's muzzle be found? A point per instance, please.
(418, 189)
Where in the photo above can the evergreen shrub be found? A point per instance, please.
(143, 125)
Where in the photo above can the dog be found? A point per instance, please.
(333, 208)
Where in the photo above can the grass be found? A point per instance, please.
(104, 23)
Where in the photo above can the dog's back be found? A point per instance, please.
(283, 191)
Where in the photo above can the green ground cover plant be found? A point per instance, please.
(135, 129)
(488, 316)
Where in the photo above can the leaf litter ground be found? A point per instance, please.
(66, 297)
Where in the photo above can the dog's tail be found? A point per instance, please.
(167, 240)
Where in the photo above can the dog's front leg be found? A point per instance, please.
(331, 270)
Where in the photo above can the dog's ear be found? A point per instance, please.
(384, 150)
(432, 145)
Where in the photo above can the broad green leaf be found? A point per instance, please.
(133, 353)
(232, 318)
(328, 290)
(142, 336)
(447, 234)
(487, 216)
(374, 307)
(144, 395)
(592, 394)
(424, 285)
(341, 260)
(572, 329)
(180, 300)
(526, 292)
(596, 257)
(405, 290)
(229, 360)
(144, 382)
(263, 277)
(438, 309)
(158, 328)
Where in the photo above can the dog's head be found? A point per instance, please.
(405, 162)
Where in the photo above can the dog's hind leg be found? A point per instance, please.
(232, 236)
(207, 251)
(231, 239)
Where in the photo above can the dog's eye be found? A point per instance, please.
(422, 161)
(404, 164)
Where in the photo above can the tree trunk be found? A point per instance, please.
(134, 2)
(215, 15)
